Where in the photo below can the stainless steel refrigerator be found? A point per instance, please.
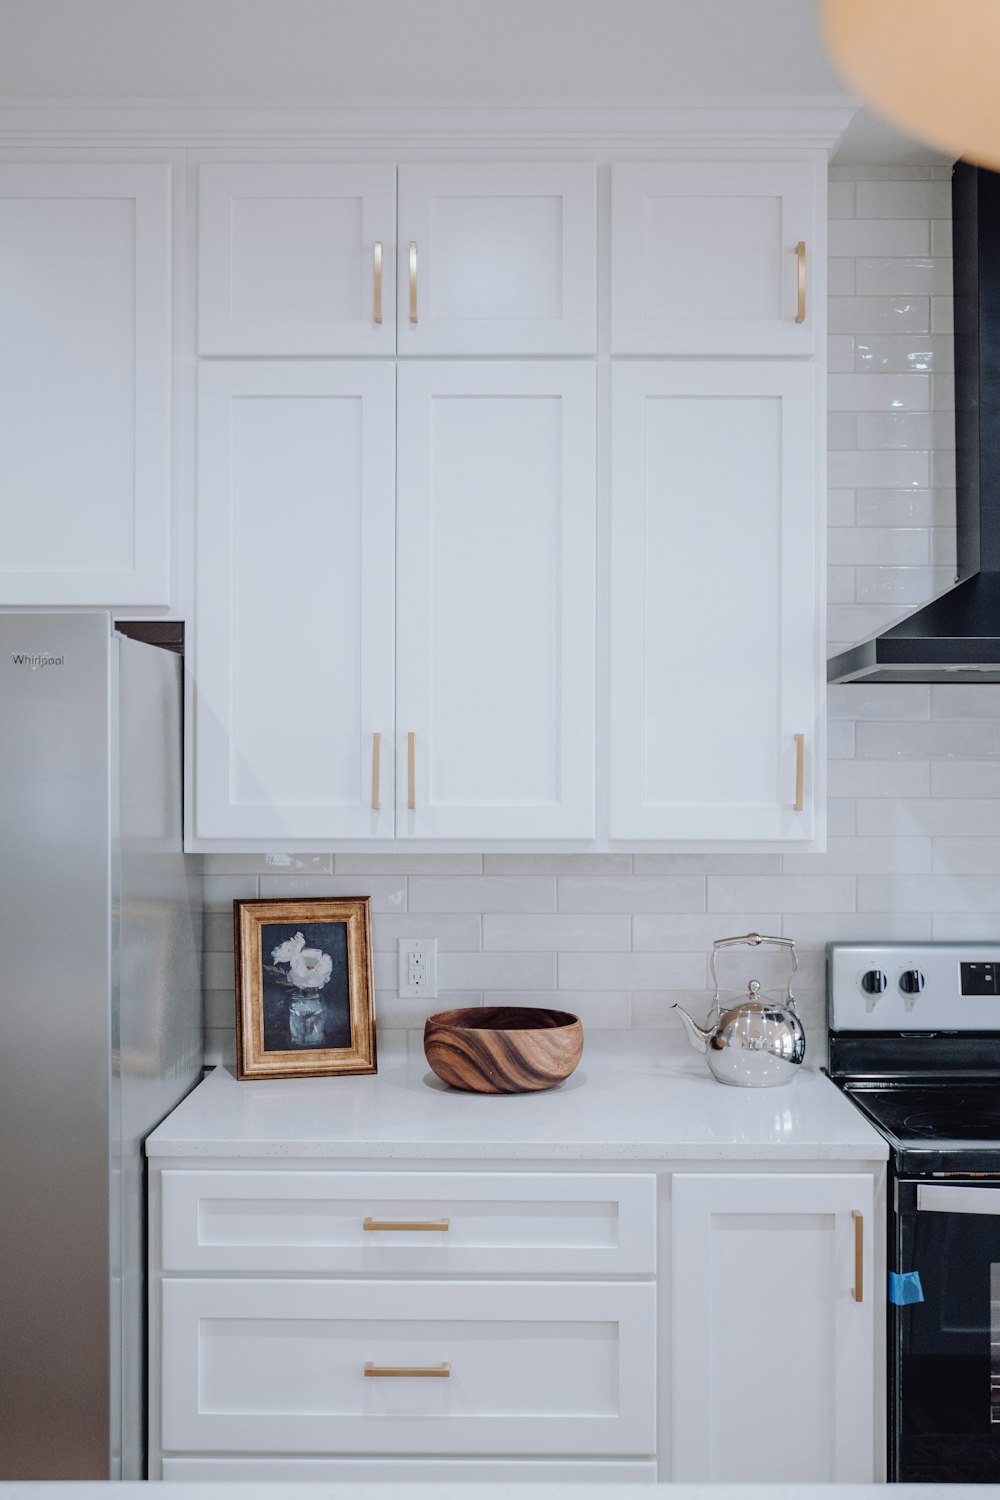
(100, 1027)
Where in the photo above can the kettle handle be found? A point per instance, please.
(754, 940)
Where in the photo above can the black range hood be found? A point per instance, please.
(956, 638)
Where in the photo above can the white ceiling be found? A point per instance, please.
(621, 51)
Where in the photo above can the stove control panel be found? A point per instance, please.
(913, 986)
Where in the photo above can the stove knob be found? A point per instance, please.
(874, 982)
(911, 981)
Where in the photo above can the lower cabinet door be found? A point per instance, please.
(772, 1341)
(419, 1470)
(354, 1368)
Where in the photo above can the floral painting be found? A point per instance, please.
(306, 996)
(304, 987)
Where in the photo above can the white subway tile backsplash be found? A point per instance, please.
(387, 892)
(891, 315)
(882, 237)
(496, 971)
(905, 429)
(632, 893)
(904, 507)
(902, 545)
(632, 971)
(913, 772)
(676, 933)
(938, 739)
(913, 354)
(556, 933)
(919, 276)
(883, 393)
(840, 276)
(903, 200)
(840, 353)
(482, 893)
(879, 469)
(787, 893)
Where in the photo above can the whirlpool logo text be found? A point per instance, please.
(41, 659)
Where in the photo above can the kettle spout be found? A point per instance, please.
(698, 1036)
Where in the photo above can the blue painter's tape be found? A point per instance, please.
(904, 1287)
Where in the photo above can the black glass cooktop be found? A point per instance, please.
(936, 1113)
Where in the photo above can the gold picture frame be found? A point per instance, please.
(305, 995)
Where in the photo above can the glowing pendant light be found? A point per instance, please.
(931, 67)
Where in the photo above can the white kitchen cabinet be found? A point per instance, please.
(716, 258)
(297, 259)
(493, 1367)
(772, 1328)
(293, 653)
(85, 374)
(496, 600)
(497, 258)
(714, 701)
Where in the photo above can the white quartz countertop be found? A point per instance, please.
(646, 1099)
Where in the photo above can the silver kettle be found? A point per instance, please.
(757, 1042)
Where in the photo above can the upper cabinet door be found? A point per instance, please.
(715, 258)
(293, 658)
(715, 627)
(497, 258)
(85, 384)
(297, 259)
(495, 600)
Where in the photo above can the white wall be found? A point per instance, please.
(914, 846)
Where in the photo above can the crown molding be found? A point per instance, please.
(816, 123)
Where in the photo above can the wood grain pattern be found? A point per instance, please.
(505, 1049)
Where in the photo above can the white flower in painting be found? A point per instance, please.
(310, 969)
(288, 951)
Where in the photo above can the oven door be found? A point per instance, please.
(945, 1351)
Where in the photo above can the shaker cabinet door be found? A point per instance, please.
(495, 623)
(772, 1347)
(293, 657)
(497, 258)
(716, 648)
(85, 384)
(716, 258)
(297, 259)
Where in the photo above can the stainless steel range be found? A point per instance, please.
(915, 1043)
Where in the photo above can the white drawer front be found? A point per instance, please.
(279, 1366)
(508, 1223)
(418, 1470)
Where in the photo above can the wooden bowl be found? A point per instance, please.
(503, 1049)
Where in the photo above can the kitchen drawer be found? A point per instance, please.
(506, 1223)
(418, 1470)
(534, 1368)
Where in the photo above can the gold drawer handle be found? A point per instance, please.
(432, 1372)
(376, 766)
(800, 258)
(413, 281)
(411, 771)
(859, 1255)
(800, 772)
(434, 1224)
(377, 298)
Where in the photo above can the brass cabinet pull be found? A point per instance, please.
(433, 1371)
(413, 281)
(435, 1224)
(411, 789)
(859, 1255)
(800, 256)
(800, 772)
(376, 758)
(378, 282)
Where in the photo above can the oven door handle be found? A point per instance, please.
(939, 1198)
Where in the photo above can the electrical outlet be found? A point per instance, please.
(418, 968)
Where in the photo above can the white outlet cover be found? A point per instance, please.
(427, 948)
